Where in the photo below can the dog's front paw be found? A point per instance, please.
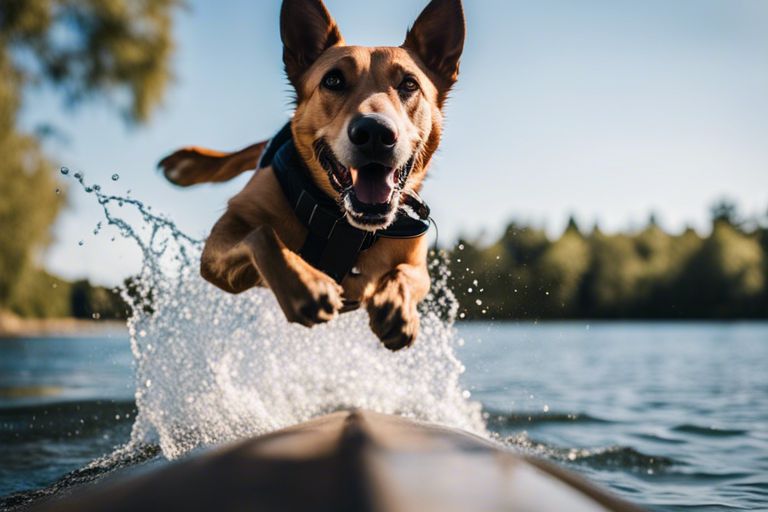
(393, 316)
(313, 299)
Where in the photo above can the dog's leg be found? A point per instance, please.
(237, 258)
(392, 307)
(306, 295)
(193, 165)
(226, 261)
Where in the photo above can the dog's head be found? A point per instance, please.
(368, 120)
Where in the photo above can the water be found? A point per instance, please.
(670, 416)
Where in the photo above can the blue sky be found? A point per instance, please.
(605, 109)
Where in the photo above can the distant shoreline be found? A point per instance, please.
(12, 326)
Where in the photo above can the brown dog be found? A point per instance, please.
(366, 125)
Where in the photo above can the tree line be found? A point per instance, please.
(646, 274)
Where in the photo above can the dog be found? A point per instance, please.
(332, 220)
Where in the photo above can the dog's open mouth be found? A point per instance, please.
(370, 194)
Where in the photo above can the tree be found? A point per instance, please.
(562, 267)
(613, 279)
(119, 49)
(728, 272)
(725, 211)
(28, 199)
(114, 49)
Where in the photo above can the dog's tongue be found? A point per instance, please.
(373, 183)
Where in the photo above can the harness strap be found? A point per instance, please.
(332, 245)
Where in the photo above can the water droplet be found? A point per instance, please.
(88, 190)
(479, 302)
(81, 243)
(64, 171)
(115, 177)
(58, 191)
(97, 187)
(78, 175)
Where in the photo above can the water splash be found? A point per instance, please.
(213, 367)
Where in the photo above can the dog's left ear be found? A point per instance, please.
(307, 30)
(437, 37)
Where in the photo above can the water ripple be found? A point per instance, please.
(708, 431)
(624, 458)
(498, 420)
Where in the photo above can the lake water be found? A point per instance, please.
(672, 416)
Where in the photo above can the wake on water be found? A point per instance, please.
(213, 367)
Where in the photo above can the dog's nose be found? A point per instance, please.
(373, 134)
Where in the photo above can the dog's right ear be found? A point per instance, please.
(307, 30)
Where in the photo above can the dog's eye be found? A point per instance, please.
(334, 80)
(408, 85)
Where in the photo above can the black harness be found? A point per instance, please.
(332, 244)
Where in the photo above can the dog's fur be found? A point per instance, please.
(255, 242)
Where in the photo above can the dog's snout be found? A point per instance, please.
(373, 134)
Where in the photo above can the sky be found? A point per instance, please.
(607, 110)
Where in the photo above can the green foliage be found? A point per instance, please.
(562, 268)
(117, 50)
(41, 295)
(648, 274)
(28, 206)
(89, 301)
(728, 273)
